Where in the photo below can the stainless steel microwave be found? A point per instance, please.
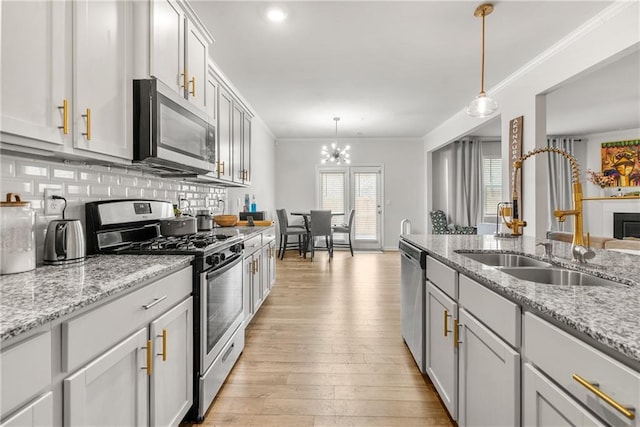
(170, 135)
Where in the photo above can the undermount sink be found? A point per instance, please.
(505, 260)
(558, 276)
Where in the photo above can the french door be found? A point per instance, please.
(357, 187)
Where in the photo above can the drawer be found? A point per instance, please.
(443, 277)
(252, 244)
(562, 356)
(268, 235)
(498, 313)
(25, 369)
(38, 413)
(213, 378)
(89, 334)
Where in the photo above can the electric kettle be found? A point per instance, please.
(64, 242)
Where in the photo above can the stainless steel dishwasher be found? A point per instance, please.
(413, 264)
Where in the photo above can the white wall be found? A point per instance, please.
(262, 172)
(609, 35)
(404, 186)
(598, 214)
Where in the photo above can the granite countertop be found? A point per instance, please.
(34, 298)
(610, 315)
(245, 231)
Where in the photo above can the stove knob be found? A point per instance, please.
(222, 257)
(215, 259)
(237, 248)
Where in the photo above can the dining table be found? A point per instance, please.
(306, 217)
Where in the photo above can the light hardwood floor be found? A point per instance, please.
(326, 349)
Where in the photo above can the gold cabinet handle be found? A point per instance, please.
(164, 345)
(456, 333)
(193, 86)
(221, 168)
(185, 80)
(88, 117)
(446, 323)
(65, 116)
(627, 412)
(149, 366)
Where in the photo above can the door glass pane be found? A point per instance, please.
(366, 205)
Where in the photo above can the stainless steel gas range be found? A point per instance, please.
(133, 227)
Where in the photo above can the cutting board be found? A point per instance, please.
(265, 223)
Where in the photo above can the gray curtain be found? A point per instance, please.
(464, 176)
(560, 182)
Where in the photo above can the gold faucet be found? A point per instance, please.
(580, 252)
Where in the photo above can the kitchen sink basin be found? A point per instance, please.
(505, 260)
(558, 276)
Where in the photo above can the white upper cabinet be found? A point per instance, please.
(197, 62)
(178, 49)
(102, 77)
(34, 56)
(167, 43)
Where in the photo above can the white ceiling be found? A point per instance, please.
(391, 68)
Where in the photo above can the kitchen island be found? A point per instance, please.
(505, 351)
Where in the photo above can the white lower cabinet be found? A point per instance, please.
(38, 413)
(172, 376)
(145, 378)
(489, 376)
(259, 271)
(544, 404)
(441, 354)
(113, 389)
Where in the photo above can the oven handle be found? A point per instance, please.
(224, 269)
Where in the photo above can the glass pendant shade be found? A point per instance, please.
(482, 106)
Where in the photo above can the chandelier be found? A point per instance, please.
(482, 105)
(336, 155)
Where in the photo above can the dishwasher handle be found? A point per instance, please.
(413, 253)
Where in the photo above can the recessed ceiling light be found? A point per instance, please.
(276, 14)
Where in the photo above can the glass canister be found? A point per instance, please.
(17, 235)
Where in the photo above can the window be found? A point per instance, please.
(492, 186)
(332, 190)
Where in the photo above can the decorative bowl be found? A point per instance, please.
(226, 220)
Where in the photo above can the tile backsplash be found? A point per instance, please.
(81, 183)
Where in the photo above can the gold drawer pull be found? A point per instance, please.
(88, 117)
(65, 116)
(627, 412)
(456, 333)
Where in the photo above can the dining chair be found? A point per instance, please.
(287, 230)
(346, 229)
(320, 225)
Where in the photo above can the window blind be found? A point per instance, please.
(492, 185)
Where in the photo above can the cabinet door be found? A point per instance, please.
(272, 264)
(441, 355)
(34, 56)
(102, 77)
(197, 60)
(212, 98)
(489, 376)
(167, 44)
(111, 390)
(172, 378)
(265, 273)
(38, 413)
(225, 107)
(246, 149)
(236, 143)
(256, 293)
(546, 405)
(247, 289)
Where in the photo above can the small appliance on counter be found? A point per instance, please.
(64, 242)
(17, 235)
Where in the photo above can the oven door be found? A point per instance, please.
(221, 310)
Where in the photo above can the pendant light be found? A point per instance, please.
(336, 155)
(482, 105)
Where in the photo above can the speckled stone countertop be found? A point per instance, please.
(610, 315)
(243, 231)
(34, 298)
